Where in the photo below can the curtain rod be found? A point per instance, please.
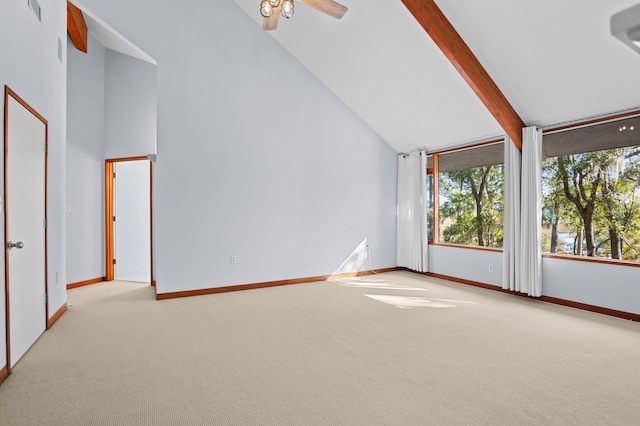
(405, 155)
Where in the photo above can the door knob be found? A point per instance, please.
(17, 245)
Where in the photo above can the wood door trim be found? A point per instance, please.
(125, 159)
(109, 185)
(46, 218)
(151, 275)
(7, 311)
(10, 93)
(108, 219)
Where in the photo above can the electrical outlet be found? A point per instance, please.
(490, 267)
(234, 259)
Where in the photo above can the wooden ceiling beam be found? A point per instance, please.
(77, 27)
(445, 36)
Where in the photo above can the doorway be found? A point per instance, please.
(128, 216)
(25, 225)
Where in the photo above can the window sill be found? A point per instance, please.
(590, 259)
(495, 250)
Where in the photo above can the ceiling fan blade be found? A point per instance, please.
(329, 7)
(271, 23)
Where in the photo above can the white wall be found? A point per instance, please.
(111, 114)
(609, 286)
(132, 227)
(85, 162)
(30, 66)
(468, 264)
(598, 284)
(282, 175)
(130, 106)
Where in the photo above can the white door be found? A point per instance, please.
(132, 228)
(25, 216)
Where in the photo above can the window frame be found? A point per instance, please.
(435, 171)
(435, 187)
(576, 258)
(572, 126)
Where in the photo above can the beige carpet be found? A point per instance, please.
(388, 349)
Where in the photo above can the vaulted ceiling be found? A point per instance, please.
(555, 61)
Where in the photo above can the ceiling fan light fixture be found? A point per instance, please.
(287, 8)
(625, 26)
(266, 9)
(273, 9)
(634, 34)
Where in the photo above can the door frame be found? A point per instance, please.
(109, 185)
(10, 93)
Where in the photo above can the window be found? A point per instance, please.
(591, 191)
(430, 198)
(430, 207)
(471, 196)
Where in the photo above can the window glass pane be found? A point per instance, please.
(591, 204)
(591, 199)
(429, 161)
(485, 155)
(614, 134)
(471, 199)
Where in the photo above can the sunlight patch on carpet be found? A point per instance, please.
(379, 284)
(406, 302)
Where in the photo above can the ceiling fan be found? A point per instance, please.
(272, 9)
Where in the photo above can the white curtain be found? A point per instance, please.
(412, 239)
(511, 244)
(530, 272)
